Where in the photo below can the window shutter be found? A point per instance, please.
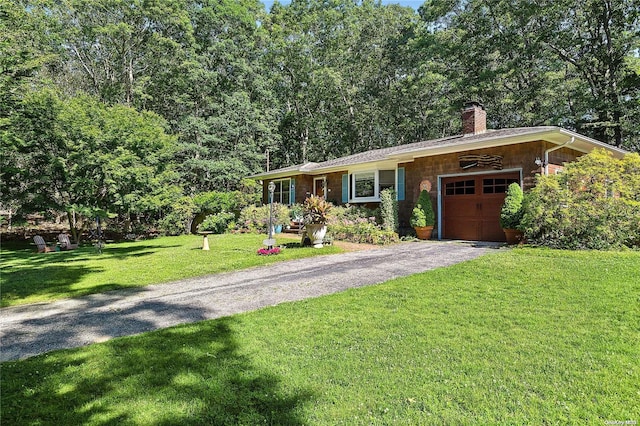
(292, 191)
(400, 183)
(345, 188)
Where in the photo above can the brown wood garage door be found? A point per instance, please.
(471, 206)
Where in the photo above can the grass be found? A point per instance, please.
(517, 337)
(27, 277)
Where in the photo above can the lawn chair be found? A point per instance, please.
(42, 246)
(65, 242)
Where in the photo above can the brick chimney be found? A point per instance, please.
(474, 119)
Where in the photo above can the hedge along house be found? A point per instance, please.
(466, 175)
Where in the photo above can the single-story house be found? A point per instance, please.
(466, 175)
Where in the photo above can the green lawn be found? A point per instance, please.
(518, 337)
(28, 277)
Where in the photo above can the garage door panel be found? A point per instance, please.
(471, 206)
(467, 229)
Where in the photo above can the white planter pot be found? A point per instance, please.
(316, 233)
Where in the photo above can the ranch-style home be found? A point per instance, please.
(466, 175)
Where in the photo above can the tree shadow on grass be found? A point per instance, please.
(187, 375)
(137, 251)
(293, 245)
(87, 251)
(18, 284)
(25, 273)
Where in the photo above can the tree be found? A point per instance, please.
(80, 156)
(564, 63)
(31, 147)
(595, 39)
(229, 118)
(337, 74)
(25, 48)
(116, 47)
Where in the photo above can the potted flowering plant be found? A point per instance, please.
(315, 213)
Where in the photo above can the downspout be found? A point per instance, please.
(555, 148)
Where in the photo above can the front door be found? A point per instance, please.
(319, 185)
(471, 206)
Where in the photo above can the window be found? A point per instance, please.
(496, 186)
(461, 187)
(366, 186)
(387, 179)
(282, 194)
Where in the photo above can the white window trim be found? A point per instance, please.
(376, 185)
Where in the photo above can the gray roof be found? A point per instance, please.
(425, 148)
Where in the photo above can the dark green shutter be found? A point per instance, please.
(401, 184)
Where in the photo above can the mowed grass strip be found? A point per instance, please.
(517, 337)
(28, 277)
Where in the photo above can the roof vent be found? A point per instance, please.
(474, 119)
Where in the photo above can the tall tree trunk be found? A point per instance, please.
(305, 144)
(71, 217)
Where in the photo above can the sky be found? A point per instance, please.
(411, 3)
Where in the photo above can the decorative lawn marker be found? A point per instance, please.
(270, 242)
(205, 239)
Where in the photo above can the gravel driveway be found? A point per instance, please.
(34, 329)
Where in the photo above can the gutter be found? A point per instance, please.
(555, 148)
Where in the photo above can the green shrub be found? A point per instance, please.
(389, 210)
(217, 223)
(418, 218)
(362, 231)
(350, 212)
(424, 201)
(281, 214)
(255, 219)
(593, 204)
(358, 224)
(511, 211)
(216, 201)
(213, 202)
(296, 211)
(178, 221)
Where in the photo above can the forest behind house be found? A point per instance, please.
(128, 108)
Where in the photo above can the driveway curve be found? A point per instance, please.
(30, 330)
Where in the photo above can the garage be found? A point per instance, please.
(471, 205)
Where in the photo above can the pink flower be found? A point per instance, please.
(268, 252)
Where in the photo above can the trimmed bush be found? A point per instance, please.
(424, 201)
(389, 210)
(418, 218)
(511, 212)
(353, 212)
